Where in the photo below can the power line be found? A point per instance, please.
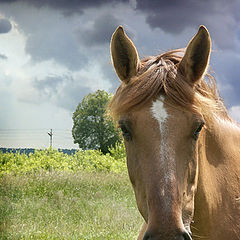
(33, 131)
(22, 129)
(38, 137)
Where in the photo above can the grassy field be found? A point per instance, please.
(68, 205)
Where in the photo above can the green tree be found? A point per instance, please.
(92, 129)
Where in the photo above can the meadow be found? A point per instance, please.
(51, 195)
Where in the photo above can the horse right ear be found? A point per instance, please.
(195, 60)
(124, 55)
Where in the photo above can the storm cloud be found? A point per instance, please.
(49, 42)
(64, 91)
(67, 7)
(221, 17)
(100, 32)
(5, 26)
(49, 86)
(227, 74)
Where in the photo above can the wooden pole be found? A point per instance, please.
(51, 136)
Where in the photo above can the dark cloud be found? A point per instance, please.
(227, 75)
(49, 35)
(4, 57)
(58, 47)
(5, 25)
(72, 95)
(63, 91)
(49, 86)
(101, 31)
(172, 16)
(109, 73)
(220, 16)
(48, 42)
(68, 7)
(79, 41)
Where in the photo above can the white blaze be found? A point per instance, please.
(159, 112)
(166, 158)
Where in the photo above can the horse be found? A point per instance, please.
(182, 147)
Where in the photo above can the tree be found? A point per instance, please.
(92, 129)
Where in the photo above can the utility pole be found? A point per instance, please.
(51, 136)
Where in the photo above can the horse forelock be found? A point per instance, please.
(159, 75)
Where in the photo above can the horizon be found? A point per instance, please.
(20, 138)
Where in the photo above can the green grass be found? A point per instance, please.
(68, 205)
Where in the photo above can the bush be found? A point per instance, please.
(118, 152)
(49, 160)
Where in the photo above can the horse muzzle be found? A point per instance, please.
(183, 235)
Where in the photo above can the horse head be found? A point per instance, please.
(157, 110)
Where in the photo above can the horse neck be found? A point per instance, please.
(219, 177)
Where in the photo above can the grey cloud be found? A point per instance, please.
(62, 50)
(224, 67)
(64, 91)
(72, 95)
(228, 72)
(5, 26)
(110, 74)
(175, 16)
(101, 31)
(67, 7)
(172, 16)
(4, 57)
(47, 87)
(53, 39)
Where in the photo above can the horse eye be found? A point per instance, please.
(125, 131)
(197, 131)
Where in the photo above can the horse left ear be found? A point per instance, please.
(195, 60)
(124, 55)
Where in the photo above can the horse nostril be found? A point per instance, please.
(183, 236)
(147, 236)
(186, 236)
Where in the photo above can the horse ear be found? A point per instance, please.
(195, 60)
(124, 55)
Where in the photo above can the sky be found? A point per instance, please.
(55, 52)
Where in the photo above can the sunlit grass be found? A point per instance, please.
(64, 205)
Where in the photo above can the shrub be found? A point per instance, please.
(49, 160)
(118, 152)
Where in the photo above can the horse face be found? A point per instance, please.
(161, 146)
(161, 138)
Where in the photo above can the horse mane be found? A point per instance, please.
(160, 75)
